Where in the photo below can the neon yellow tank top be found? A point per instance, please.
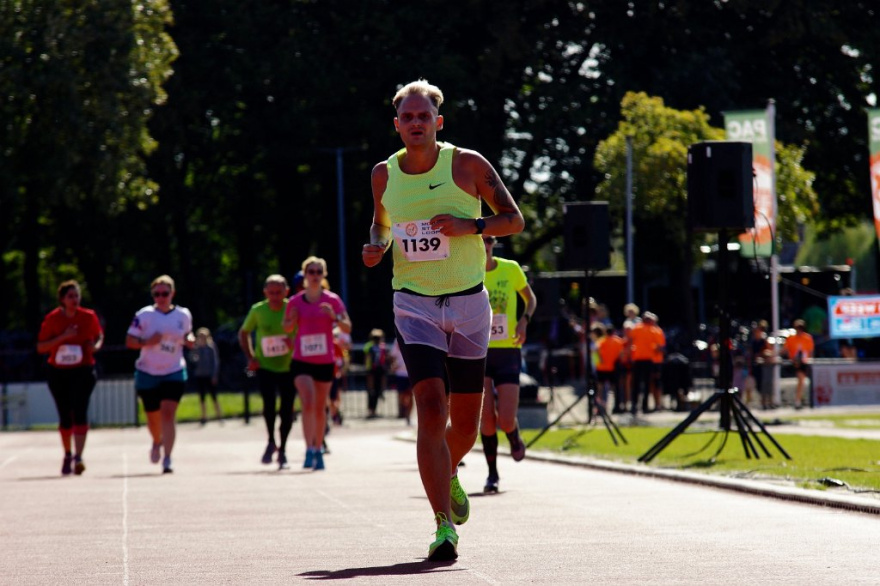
(427, 262)
(504, 283)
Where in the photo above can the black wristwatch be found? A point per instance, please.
(481, 225)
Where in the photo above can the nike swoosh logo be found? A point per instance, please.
(432, 187)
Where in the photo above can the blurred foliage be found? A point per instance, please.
(856, 245)
(79, 82)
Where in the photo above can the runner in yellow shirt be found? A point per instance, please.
(504, 281)
(427, 198)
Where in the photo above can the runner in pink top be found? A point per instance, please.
(312, 313)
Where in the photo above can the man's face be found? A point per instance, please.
(417, 120)
(275, 291)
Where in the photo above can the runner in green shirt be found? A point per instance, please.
(269, 356)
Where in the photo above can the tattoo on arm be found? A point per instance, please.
(501, 197)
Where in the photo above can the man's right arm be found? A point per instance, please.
(244, 340)
(380, 230)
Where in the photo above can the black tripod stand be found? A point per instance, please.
(729, 404)
(593, 406)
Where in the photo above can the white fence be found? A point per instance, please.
(24, 405)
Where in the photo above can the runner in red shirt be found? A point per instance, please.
(70, 335)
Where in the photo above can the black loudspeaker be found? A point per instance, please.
(587, 235)
(720, 186)
(546, 289)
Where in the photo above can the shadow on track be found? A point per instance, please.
(409, 568)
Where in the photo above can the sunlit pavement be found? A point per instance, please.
(223, 517)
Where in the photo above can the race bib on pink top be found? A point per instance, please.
(314, 333)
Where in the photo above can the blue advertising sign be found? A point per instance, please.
(854, 316)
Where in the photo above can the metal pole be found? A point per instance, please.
(774, 258)
(630, 288)
(340, 221)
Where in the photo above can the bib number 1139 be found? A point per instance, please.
(419, 242)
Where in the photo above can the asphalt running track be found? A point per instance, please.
(223, 518)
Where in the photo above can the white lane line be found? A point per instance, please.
(8, 460)
(344, 505)
(125, 519)
(482, 576)
(341, 504)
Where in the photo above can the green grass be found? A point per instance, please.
(814, 459)
(231, 404)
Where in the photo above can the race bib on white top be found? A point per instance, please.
(419, 242)
(313, 345)
(68, 354)
(499, 327)
(168, 345)
(274, 346)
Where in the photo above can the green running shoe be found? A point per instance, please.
(459, 506)
(444, 547)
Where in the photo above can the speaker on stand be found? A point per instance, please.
(587, 232)
(719, 185)
(721, 198)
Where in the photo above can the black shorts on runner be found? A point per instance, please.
(503, 365)
(460, 375)
(322, 373)
(169, 390)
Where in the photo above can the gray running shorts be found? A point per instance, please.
(457, 325)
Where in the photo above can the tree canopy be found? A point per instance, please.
(117, 168)
(660, 139)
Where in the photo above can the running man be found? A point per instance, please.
(504, 281)
(427, 197)
(270, 358)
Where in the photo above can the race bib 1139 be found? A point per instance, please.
(419, 242)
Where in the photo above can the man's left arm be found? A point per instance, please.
(531, 302)
(507, 218)
(473, 173)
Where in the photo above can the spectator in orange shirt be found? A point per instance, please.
(609, 347)
(658, 358)
(646, 340)
(799, 348)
